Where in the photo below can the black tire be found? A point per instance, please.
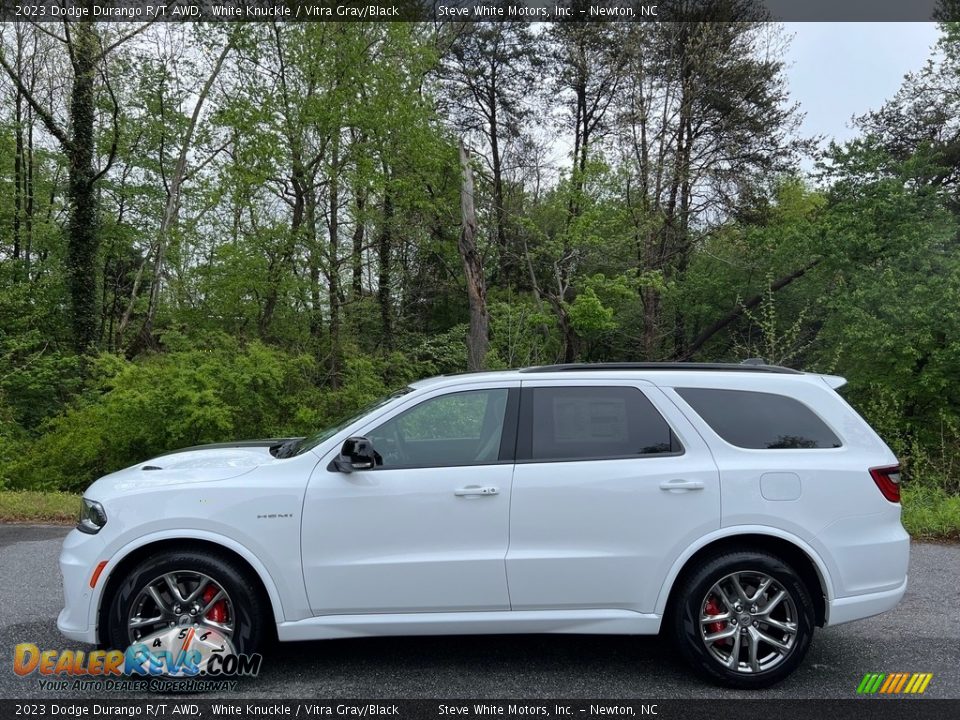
(250, 608)
(692, 596)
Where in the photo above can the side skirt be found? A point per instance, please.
(585, 622)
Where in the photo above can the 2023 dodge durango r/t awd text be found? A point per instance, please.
(736, 507)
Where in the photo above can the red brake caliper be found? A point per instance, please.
(711, 608)
(218, 613)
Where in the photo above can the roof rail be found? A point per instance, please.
(672, 366)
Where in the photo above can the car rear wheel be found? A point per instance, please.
(743, 618)
(199, 594)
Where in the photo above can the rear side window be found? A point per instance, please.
(760, 420)
(579, 423)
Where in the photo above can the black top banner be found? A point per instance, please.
(478, 10)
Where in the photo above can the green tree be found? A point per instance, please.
(88, 52)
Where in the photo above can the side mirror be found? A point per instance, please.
(357, 453)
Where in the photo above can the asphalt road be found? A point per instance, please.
(921, 635)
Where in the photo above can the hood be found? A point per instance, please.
(202, 463)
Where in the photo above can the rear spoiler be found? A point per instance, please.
(834, 381)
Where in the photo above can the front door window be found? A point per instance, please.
(457, 429)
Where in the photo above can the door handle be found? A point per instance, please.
(679, 485)
(472, 490)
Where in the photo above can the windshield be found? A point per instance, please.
(326, 434)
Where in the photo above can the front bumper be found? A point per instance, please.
(78, 558)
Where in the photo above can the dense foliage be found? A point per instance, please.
(249, 231)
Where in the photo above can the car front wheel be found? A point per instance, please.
(743, 618)
(199, 595)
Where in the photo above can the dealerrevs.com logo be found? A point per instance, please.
(189, 658)
(898, 683)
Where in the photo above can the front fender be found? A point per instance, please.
(269, 583)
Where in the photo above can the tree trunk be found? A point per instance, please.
(333, 286)
(505, 267)
(580, 140)
(28, 191)
(83, 235)
(384, 296)
(18, 183)
(356, 256)
(651, 318)
(278, 263)
(314, 255)
(684, 243)
(478, 337)
(570, 339)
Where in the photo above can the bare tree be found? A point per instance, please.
(490, 78)
(478, 337)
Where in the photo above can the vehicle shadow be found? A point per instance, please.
(490, 666)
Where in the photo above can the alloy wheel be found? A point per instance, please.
(748, 622)
(181, 598)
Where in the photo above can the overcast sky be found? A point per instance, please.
(838, 70)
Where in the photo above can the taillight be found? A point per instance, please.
(888, 480)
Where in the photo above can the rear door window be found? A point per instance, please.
(581, 423)
(759, 420)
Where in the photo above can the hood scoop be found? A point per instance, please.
(151, 467)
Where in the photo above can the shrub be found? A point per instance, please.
(209, 392)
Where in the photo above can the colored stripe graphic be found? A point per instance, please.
(919, 682)
(870, 683)
(903, 681)
(891, 681)
(894, 683)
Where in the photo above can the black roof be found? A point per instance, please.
(646, 366)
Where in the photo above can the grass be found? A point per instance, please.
(38, 507)
(928, 514)
(931, 514)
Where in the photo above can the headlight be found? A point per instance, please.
(92, 517)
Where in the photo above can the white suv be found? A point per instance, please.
(734, 506)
